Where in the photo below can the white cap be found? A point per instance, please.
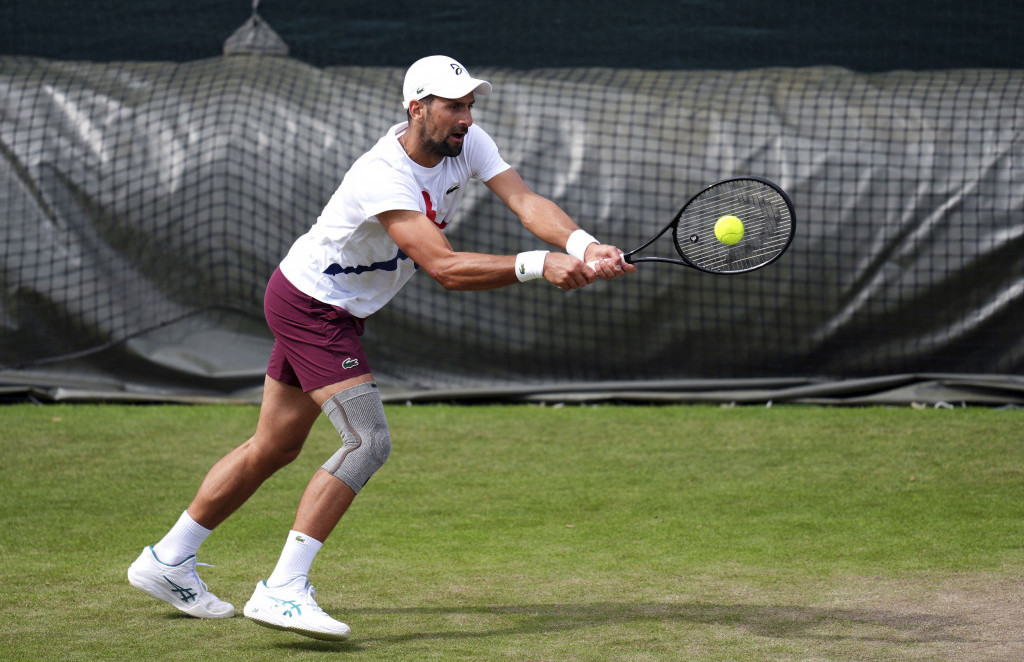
(441, 76)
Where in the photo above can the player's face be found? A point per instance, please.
(445, 124)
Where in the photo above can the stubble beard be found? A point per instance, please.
(442, 147)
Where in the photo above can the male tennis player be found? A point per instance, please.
(384, 222)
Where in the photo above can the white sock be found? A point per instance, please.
(182, 541)
(296, 559)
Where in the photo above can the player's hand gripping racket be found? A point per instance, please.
(731, 227)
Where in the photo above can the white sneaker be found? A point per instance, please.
(292, 607)
(177, 584)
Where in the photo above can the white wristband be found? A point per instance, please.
(530, 265)
(578, 242)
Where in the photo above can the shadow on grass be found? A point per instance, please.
(770, 621)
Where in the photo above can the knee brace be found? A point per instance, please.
(358, 415)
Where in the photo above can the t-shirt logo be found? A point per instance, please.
(431, 213)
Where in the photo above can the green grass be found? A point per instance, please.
(533, 533)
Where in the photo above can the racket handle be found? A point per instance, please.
(593, 263)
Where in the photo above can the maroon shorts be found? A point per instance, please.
(315, 344)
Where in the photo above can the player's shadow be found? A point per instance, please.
(773, 621)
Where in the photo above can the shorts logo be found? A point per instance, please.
(349, 363)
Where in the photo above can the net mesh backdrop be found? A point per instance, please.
(143, 207)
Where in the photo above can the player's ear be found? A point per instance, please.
(416, 109)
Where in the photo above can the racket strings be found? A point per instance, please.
(766, 219)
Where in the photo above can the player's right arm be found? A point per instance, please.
(427, 246)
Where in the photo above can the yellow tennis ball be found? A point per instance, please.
(729, 230)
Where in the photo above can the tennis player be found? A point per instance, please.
(385, 221)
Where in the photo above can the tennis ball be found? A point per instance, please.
(729, 230)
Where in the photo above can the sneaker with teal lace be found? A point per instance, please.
(292, 607)
(178, 585)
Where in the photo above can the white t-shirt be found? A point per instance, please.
(347, 258)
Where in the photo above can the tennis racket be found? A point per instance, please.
(761, 225)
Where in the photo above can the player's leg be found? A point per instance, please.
(286, 416)
(167, 570)
(356, 410)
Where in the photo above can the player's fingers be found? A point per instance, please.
(608, 268)
(577, 278)
(611, 268)
(623, 267)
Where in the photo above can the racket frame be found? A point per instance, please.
(631, 257)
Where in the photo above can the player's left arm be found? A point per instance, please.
(549, 223)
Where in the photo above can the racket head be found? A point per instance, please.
(765, 210)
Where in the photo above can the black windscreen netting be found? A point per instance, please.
(144, 205)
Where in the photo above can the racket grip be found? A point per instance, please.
(593, 263)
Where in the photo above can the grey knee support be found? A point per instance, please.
(358, 414)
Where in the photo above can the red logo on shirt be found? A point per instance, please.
(431, 214)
